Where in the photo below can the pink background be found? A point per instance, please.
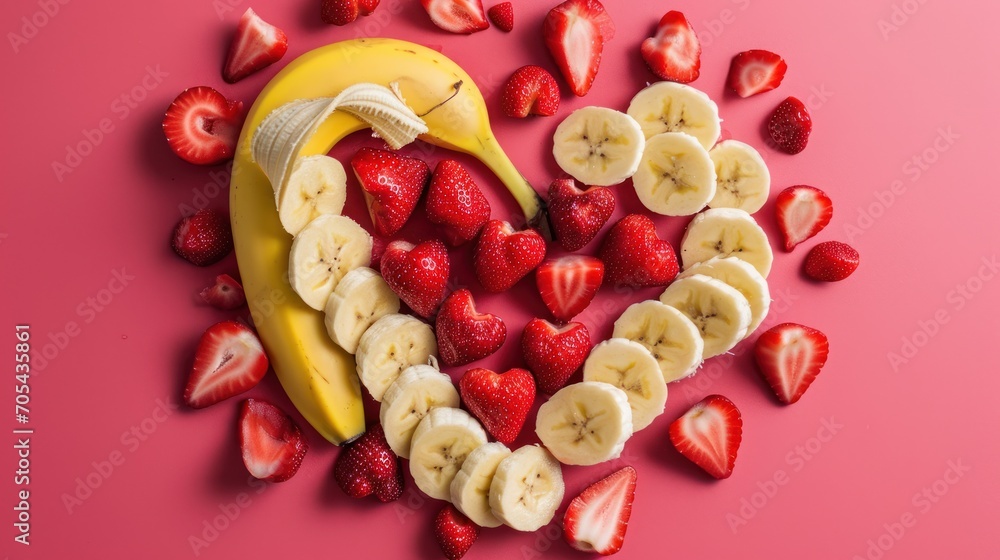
(879, 98)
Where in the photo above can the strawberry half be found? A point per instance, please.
(575, 33)
(502, 16)
(802, 211)
(230, 360)
(417, 273)
(342, 12)
(202, 126)
(454, 532)
(633, 255)
(755, 71)
(257, 45)
(226, 293)
(577, 216)
(831, 261)
(531, 90)
(790, 126)
(568, 284)
(501, 401)
(597, 519)
(457, 16)
(554, 354)
(504, 256)
(709, 435)
(271, 442)
(455, 203)
(465, 335)
(392, 185)
(204, 238)
(790, 356)
(673, 52)
(367, 466)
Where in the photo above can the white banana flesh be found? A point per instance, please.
(726, 232)
(630, 367)
(676, 176)
(317, 186)
(671, 337)
(744, 278)
(744, 181)
(392, 344)
(672, 107)
(441, 442)
(417, 391)
(323, 253)
(360, 298)
(527, 489)
(470, 489)
(585, 423)
(720, 312)
(598, 146)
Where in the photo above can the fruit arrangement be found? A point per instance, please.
(356, 310)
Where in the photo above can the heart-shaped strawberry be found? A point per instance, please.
(392, 185)
(417, 273)
(554, 353)
(367, 466)
(463, 334)
(504, 256)
(633, 255)
(578, 215)
(501, 401)
(455, 203)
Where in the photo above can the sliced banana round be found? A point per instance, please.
(630, 367)
(417, 391)
(743, 180)
(470, 489)
(671, 337)
(598, 146)
(323, 253)
(361, 298)
(317, 186)
(742, 276)
(719, 310)
(676, 176)
(585, 423)
(672, 107)
(441, 442)
(726, 232)
(392, 344)
(527, 489)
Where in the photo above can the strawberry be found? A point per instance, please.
(501, 401)
(342, 12)
(465, 335)
(633, 255)
(271, 442)
(202, 126)
(457, 16)
(229, 360)
(575, 33)
(831, 261)
(531, 90)
(417, 273)
(673, 52)
(803, 212)
(790, 126)
(454, 532)
(367, 466)
(755, 71)
(568, 284)
(455, 203)
(790, 357)
(578, 215)
(204, 238)
(226, 293)
(709, 435)
(257, 45)
(502, 16)
(504, 256)
(392, 185)
(554, 353)
(596, 520)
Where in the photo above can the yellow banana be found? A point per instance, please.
(318, 376)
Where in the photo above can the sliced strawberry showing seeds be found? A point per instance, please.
(709, 434)
(802, 211)
(457, 16)
(272, 443)
(755, 71)
(568, 284)
(674, 52)
(597, 519)
(225, 294)
(574, 34)
(257, 44)
(202, 126)
(230, 360)
(531, 90)
(790, 356)
(502, 16)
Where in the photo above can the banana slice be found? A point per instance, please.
(470, 489)
(527, 488)
(392, 344)
(417, 391)
(674, 340)
(585, 423)
(672, 107)
(361, 298)
(598, 146)
(726, 232)
(323, 253)
(630, 367)
(317, 186)
(744, 278)
(743, 179)
(719, 310)
(441, 442)
(676, 176)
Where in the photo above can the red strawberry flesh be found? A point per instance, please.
(226, 294)
(574, 34)
(674, 52)
(802, 212)
(202, 126)
(709, 434)
(271, 442)
(789, 357)
(568, 284)
(755, 71)
(597, 519)
(257, 45)
(229, 360)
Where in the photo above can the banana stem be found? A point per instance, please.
(531, 204)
